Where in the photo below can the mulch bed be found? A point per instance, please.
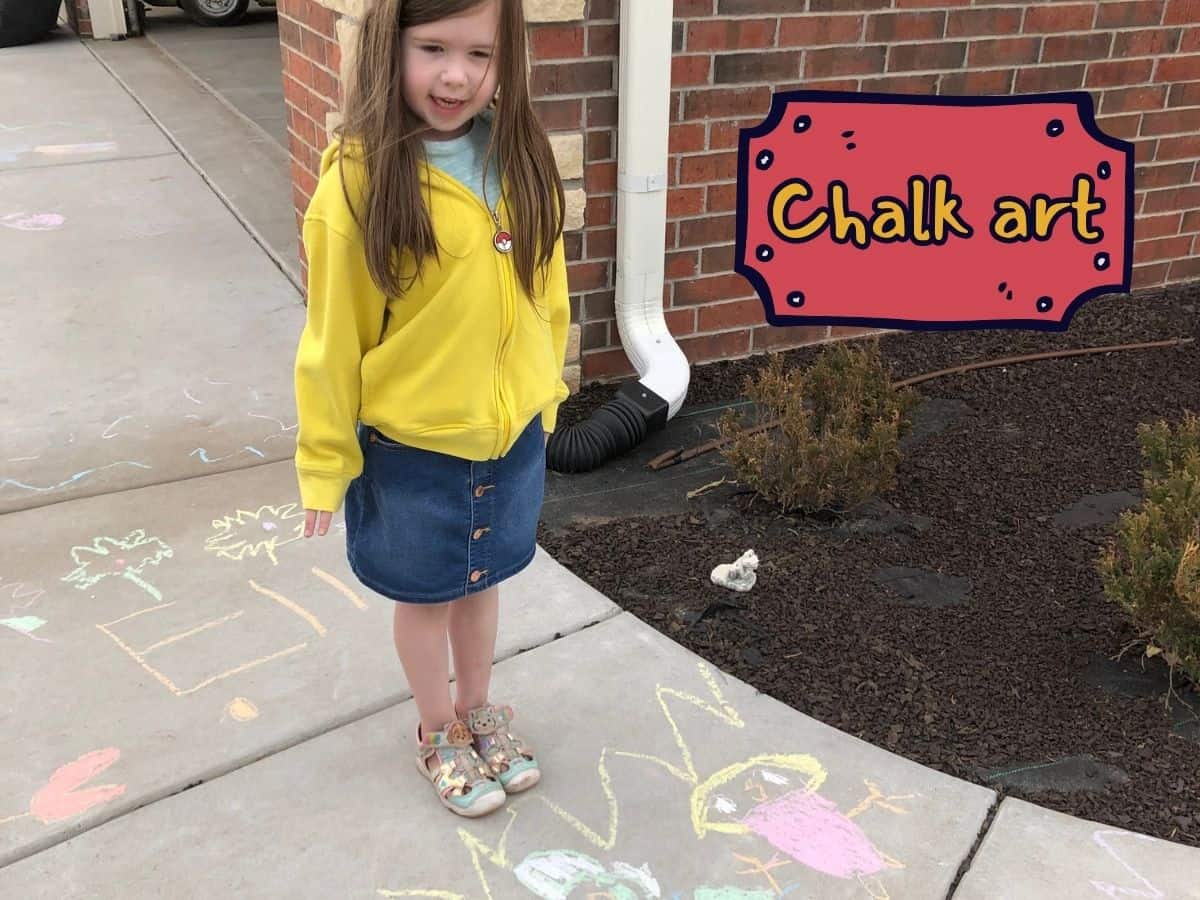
(958, 620)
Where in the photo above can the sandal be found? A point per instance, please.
(510, 759)
(464, 783)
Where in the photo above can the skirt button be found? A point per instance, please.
(477, 534)
(479, 491)
(475, 576)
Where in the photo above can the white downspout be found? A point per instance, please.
(644, 102)
(108, 19)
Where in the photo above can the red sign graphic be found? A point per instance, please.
(917, 212)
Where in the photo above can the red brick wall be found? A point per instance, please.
(1140, 60)
(311, 89)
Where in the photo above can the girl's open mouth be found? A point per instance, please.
(447, 104)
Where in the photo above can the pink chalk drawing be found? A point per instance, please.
(783, 806)
(810, 829)
(33, 221)
(64, 796)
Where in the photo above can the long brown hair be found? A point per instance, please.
(395, 217)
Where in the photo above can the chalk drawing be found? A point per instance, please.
(32, 221)
(285, 431)
(13, 129)
(278, 422)
(203, 454)
(338, 586)
(23, 598)
(241, 710)
(187, 394)
(1111, 890)
(210, 381)
(26, 625)
(18, 591)
(23, 458)
(139, 656)
(74, 478)
(294, 607)
(64, 795)
(262, 531)
(105, 434)
(106, 557)
(75, 149)
(556, 874)
(805, 832)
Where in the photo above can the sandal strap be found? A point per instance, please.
(460, 766)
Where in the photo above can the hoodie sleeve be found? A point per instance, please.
(344, 320)
(558, 301)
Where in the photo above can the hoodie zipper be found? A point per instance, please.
(506, 291)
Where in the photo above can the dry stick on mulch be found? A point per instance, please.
(672, 457)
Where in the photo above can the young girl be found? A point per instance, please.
(431, 361)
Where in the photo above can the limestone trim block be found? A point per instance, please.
(352, 8)
(573, 335)
(568, 154)
(576, 204)
(571, 375)
(347, 38)
(332, 120)
(553, 10)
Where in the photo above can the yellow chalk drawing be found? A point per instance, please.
(791, 816)
(235, 544)
(241, 710)
(339, 587)
(802, 763)
(475, 848)
(726, 714)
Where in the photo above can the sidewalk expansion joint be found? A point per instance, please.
(215, 773)
(137, 157)
(970, 857)
(150, 484)
(275, 258)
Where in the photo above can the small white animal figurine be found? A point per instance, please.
(737, 576)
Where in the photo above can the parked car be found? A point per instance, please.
(26, 21)
(212, 12)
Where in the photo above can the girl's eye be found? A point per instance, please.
(483, 54)
(431, 48)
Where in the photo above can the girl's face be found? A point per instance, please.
(449, 70)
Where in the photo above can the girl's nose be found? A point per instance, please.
(453, 74)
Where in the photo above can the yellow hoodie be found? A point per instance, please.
(459, 364)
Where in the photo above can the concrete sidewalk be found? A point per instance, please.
(197, 702)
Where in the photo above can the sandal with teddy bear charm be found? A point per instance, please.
(510, 758)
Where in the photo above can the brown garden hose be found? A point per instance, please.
(672, 457)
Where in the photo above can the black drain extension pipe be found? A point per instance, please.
(613, 429)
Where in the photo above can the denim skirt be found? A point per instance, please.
(424, 527)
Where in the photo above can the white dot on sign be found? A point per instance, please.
(241, 710)
(269, 526)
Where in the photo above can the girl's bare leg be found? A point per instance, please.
(474, 620)
(419, 630)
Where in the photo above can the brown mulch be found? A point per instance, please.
(1003, 663)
